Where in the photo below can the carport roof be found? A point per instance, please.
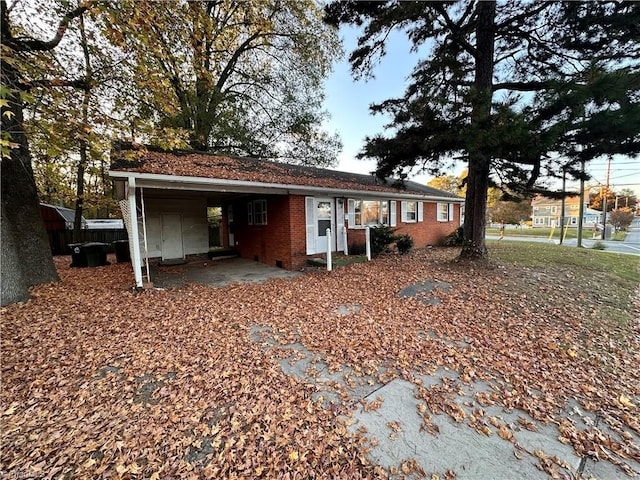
(190, 165)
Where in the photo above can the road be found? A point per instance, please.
(630, 245)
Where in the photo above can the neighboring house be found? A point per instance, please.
(59, 223)
(546, 212)
(272, 212)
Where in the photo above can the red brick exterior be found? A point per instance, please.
(428, 232)
(282, 241)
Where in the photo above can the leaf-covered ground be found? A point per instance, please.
(101, 382)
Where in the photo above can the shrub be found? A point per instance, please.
(454, 239)
(599, 246)
(381, 237)
(404, 243)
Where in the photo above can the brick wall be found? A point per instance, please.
(428, 232)
(298, 236)
(283, 240)
(270, 243)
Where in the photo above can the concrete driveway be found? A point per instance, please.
(216, 273)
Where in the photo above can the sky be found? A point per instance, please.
(347, 101)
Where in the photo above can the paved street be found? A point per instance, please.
(630, 245)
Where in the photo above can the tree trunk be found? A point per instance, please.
(479, 155)
(88, 78)
(25, 254)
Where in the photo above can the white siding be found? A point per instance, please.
(195, 233)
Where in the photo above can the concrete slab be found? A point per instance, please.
(425, 291)
(439, 425)
(216, 272)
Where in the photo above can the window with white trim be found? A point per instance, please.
(362, 213)
(444, 212)
(409, 212)
(257, 212)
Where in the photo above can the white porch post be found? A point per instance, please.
(329, 265)
(367, 240)
(344, 237)
(136, 261)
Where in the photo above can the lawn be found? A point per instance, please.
(571, 232)
(102, 382)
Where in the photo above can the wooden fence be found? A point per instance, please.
(60, 239)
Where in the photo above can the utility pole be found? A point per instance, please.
(581, 207)
(562, 208)
(604, 201)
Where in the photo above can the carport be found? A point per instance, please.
(215, 272)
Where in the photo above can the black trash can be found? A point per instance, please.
(78, 255)
(96, 253)
(122, 250)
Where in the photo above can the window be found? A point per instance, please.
(257, 212)
(364, 213)
(409, 212)
(445, 212)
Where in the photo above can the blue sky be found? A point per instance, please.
(348, 100)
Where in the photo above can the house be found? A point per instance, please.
(274, 213)
(546, 212)
(59, 223)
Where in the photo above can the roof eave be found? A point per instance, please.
(177, 182)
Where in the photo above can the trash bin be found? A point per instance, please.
(122, 250)
(95, 253)
(78, 256)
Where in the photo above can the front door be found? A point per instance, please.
(324, 219)
(172, 236)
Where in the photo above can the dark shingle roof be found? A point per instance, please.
(204, 165)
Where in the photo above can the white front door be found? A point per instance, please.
(172, 236)
(324, 219)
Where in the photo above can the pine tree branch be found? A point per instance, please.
(456, 31)
(521, 86)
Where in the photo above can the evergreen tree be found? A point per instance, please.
(507, 87)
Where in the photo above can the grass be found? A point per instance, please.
(609, 278)
(572, 232)
(337, 260)
(534, 254)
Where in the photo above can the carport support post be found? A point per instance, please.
(329, 249)
(133, 213)
(367, 241)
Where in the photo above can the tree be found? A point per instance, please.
(596, 200)
(510, 212)
(69, 122)
(621, 218)
(26, 256)
(448, 183)
(505, 87)
(237, 77)
(626, 198)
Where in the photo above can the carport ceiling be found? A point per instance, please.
(214, 199)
